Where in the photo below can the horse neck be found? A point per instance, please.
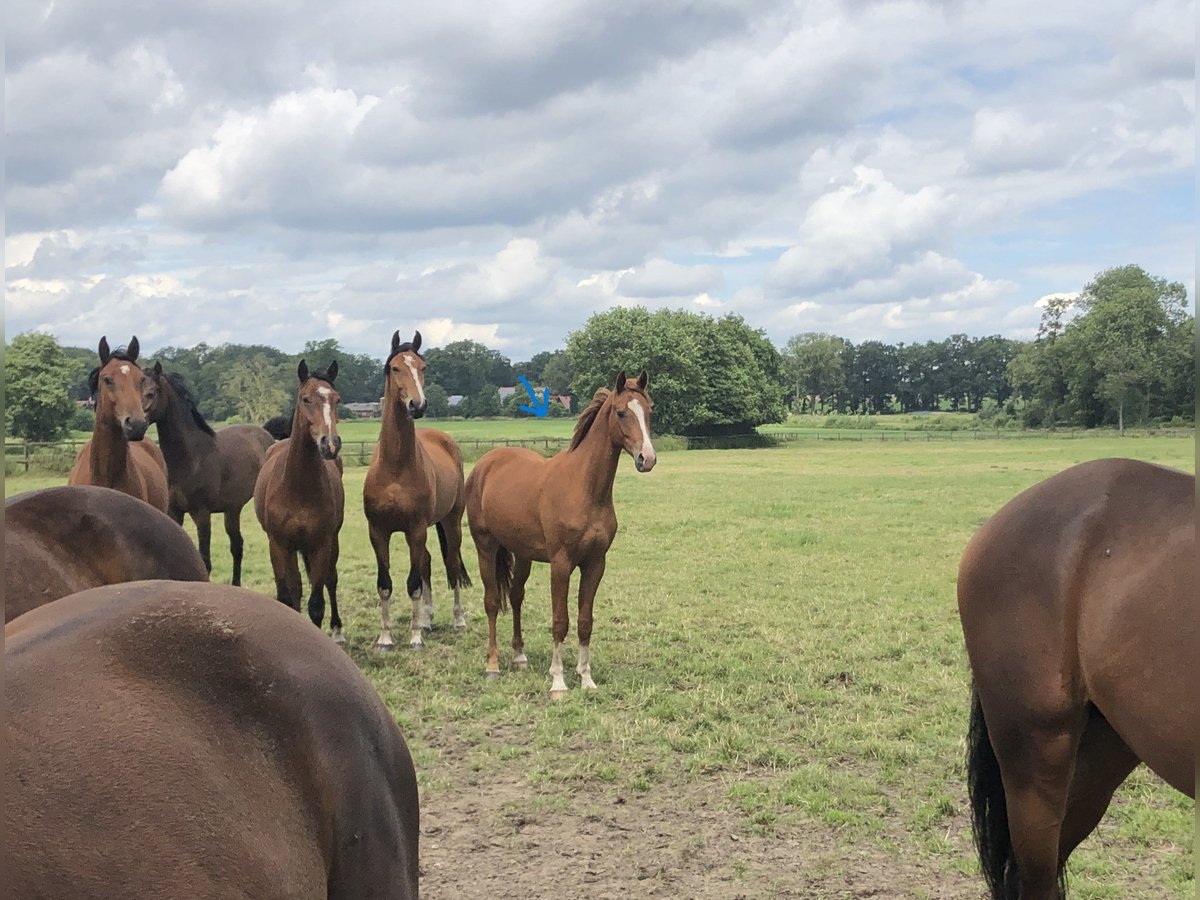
(110, 447)
(303, 465)
(179, 437)
(398, 444)
(595, 460)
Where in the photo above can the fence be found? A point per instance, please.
(57, 457)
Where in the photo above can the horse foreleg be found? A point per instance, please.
(560, 587)
(287, 575)
(590, 574)
(455, 569)
(516, 596)
(233, 528)
(486, 551)
(427, 592)
(380, 541)
(316, 563)
(417, 564)
(331, 583)
(203, 520)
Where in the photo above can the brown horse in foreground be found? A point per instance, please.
(63, 540)
(300, 501)
(1078, 604)
(197, 740)
(117, 456)
(524, 508)
(207, 471)
(415, 480)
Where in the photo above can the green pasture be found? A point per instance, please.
(776, 629)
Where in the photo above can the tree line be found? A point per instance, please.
(1119, 351)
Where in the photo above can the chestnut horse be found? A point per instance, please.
(524, 508)
(167, 739)
(207, 471)
(415, 480)
(117, 456)
(62, 540)
(300, 501)
(1078, 605)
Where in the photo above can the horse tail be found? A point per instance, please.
(989, 810)
(456, 575)
(504, 567)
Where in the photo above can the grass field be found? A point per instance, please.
(777, 646)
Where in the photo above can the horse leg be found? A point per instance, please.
(233, 528)
(486, 551)
(316, 564)
(560, 587)
(203, 520)
(516, 596)
(1102, 762)
(427, 592)
(287, 575)
(589, 581)
(455, 570)
(418, 556)
(331, 583)
(380, 541)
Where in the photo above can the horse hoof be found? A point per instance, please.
(416, 645)
(460, 626)
(492, 676)
(385, 648)
(557, 695)
(521, 663)
(338, 637)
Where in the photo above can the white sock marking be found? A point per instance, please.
(556, 671)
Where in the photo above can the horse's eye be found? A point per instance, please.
(620, 413)
(305, 401)
(109, 381)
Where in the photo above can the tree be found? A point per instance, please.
(36, 375)
(465, 367)
(255, 390)
(812, 364)
(483, 404)
(437, 401)
(707, 376)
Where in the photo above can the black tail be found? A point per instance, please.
(504, 567)
(453, 575)
(989, 811)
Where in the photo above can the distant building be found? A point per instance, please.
(365, 410)
(563, 400)
(506, 392)
(454, 400)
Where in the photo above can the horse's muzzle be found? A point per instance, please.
(135, 429)
(330, 449)
(645, 463)
(415, 409)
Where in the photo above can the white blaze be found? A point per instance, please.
(124, 370)
(647, 447)
(412, 367)
(325, 411)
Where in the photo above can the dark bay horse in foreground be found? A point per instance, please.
(415, 480)
(207, 471)
(117, 456)
(167, 739)
(1078, 605)
(300, 501)
(62, 540)
(524, 508)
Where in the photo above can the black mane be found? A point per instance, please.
(94, 375)
(185, 396)
(406, 347)
(321, 375)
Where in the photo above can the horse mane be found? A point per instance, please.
(406, 347)
(321, 375)
(94, 375)
(185, 396)
(279, 427)
(588, 417)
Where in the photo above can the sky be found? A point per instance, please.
(277, 172)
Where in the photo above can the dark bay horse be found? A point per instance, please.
(1078, 605)
(117, 456)
(300, 501)
(415, 480)
(207, 471)
(62, 540)
(524, 508)
(167, 739)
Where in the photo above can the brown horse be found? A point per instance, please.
(166, 739)
(117, 456)
(415, 480)
(1078, 605)
(524, 508)
(62, 540)
(207, 471)
(300, 501)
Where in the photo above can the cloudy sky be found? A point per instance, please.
(274, 171)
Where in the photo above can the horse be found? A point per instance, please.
(415, 480)
(63, 540)
(207, 471)
(118, 456)
(1078, 606)
(300, 501)
(524, 508)
(168, 739)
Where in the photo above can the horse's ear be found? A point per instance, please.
(620, 381)
(132, 349)
(643, 380)
(104, 351)
(302, 371)
(396, 341)
(157, 369)
(332, 371)
(417, 341)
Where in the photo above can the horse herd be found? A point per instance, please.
(171, 737)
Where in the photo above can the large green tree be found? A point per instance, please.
(812, 364)
(707, 376)
(466, 367)
(37, 375)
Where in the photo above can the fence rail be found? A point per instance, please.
(58, 456)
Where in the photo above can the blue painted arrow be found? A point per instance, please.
(540, 407)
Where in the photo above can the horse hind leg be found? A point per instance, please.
(203, 520)
(380, 541)
(233, 529)
(418, 558)
(449, 533)
(516, 597)
(331, 583)
(1102, 762)
(589, 582)
(495, 580)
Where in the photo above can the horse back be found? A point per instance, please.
(147, 459)
(241, 450)
(198, 740)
